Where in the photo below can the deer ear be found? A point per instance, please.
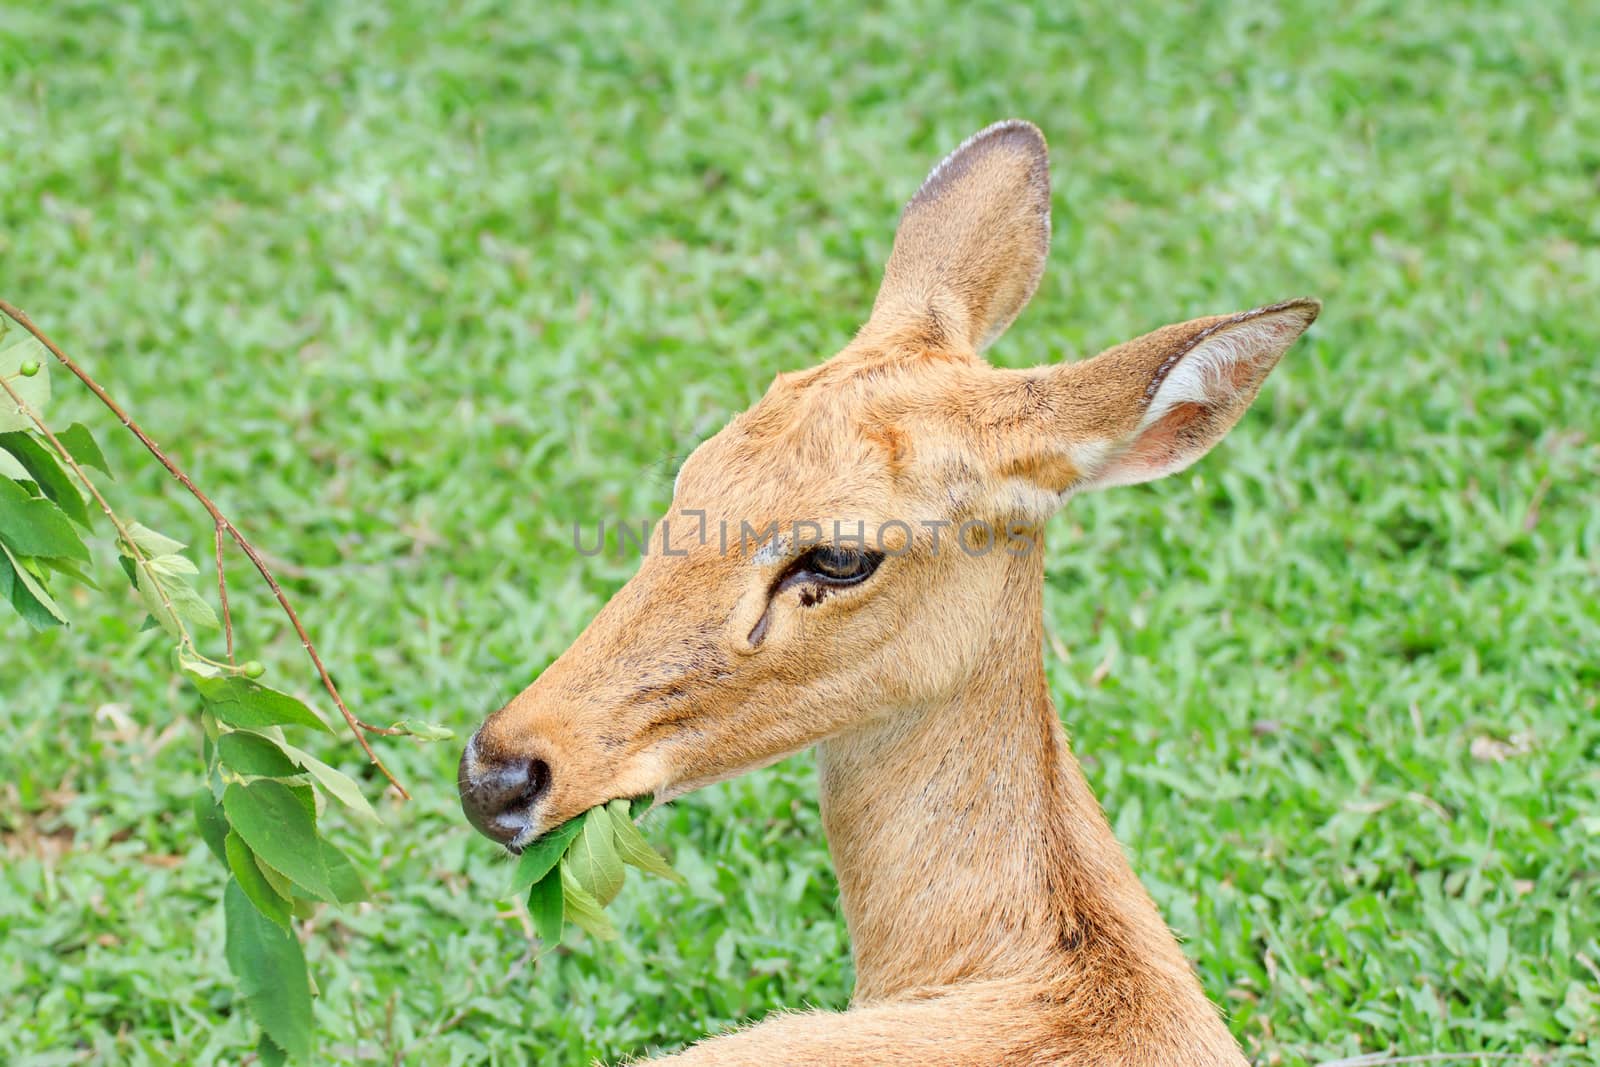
(1133, 413)
(971, 245)
(1152, 406)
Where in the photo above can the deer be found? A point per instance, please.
(992, 915)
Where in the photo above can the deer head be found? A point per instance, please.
(843, 549)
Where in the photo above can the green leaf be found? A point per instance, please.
(633, 848)
(173, 565)
(35, 526)
(43, 467)
(583, 909)
(275, 824)
(242, 862)
(68, 568)
(254, 755)
(278, 828)
(271, 970)
(593, 858)
(26, 594)
(269, 1054)
(166, 574)
(152, 543)
(18, 346)
(545, 905)
(279, 881)
(341, 785)
(213, 824)
(540, 857)
(343, 877)
(250, 705)
(307, 798)
(80, 444)
(424, 731)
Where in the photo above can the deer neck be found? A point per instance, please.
(969, 847)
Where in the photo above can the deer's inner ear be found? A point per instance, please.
(1184, 388)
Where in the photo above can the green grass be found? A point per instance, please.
(410, 291)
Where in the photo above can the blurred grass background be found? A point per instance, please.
(412, 288)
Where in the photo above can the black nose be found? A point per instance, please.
(498, 795)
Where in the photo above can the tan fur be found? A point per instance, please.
(993, 917)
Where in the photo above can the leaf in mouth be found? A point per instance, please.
(540, 857)
(545, 905)
(593, 859)
(584, 909)
(575, 870)
(634, 849)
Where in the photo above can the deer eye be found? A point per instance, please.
(833, 565)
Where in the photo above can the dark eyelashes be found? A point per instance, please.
(829, 565)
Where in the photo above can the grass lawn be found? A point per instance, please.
(413, 290)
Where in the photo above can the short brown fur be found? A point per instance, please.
(992, 914)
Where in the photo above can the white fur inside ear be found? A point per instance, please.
(1197, 395)
(1221, 367)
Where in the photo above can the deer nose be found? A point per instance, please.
(499, 794)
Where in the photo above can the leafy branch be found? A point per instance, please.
(259, 809)
(222, 526)
(263, 796)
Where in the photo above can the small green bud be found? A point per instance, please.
(253, 669)
(29, 368)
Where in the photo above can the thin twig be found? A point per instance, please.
(222, 591)
(357, 727)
